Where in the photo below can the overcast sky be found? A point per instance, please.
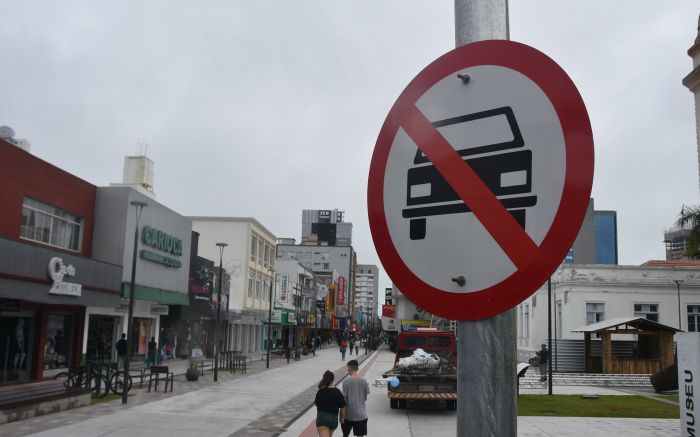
(264, 108)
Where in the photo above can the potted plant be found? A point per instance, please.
(192, 373)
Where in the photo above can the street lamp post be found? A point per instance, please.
(138, 206)
(218, 311)
(678, 288)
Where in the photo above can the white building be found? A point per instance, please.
(586, 294)
(250, 259)
(366, 290)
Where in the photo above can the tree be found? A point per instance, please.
(689, 217)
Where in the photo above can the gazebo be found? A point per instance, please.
(653, 351)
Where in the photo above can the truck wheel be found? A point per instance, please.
(402, 404)
(394, 403)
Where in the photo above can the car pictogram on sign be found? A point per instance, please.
(508, 175)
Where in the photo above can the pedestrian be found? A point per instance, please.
(121, 351)
(343, 348)
(544, 360)
(287, 353)
(352, 345)
(355, 391)
(357, 347)
(152, 347)
(329, 404)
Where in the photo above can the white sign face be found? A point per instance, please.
(159, 309)
(284, 288)
(389, 324)
(688, 345)
(509, 133)
(57, 270)
(276, 316)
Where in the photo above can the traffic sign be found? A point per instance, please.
(480, 179)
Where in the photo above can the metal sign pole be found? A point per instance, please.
(486, 376)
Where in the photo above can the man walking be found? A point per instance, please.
(544, 361)
(355, 391)
(121, 351)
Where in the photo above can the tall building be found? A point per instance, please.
(366, 289)
(325, 227)
(692, 82)
(596, 242)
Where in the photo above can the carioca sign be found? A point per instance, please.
(160, 240)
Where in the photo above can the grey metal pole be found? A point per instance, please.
(486, 377)
(218, 311)
(549, 334)
(132, 285)
(678, 288)
(269, 322)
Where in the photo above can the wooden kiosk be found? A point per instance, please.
(653, 351)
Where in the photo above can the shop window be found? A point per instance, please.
(50, 225)
(140, 336)
(58, 347)
(16, 351)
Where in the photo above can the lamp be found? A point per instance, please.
(138, 206)
(218, 311)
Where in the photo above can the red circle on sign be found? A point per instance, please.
(537, 263)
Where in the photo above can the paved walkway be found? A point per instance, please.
(267, 402)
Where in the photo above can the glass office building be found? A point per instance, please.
(605, 237)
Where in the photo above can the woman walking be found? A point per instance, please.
(343, 348)
(329, 403)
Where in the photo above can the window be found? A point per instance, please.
(526, 321)
(272, 257)
(49, 225)
(258, 286)
(253, 247)
(251, 279)
(267, 255)
(693, 318)
(595, 312)
(649, 311)
(261, 250)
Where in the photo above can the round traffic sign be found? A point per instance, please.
(480, 179)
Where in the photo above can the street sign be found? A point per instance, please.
(480, 179)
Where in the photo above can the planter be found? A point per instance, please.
(192, 374)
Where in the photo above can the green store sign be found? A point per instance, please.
(167, 243)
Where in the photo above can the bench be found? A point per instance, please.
(158, 373)
(23, 401)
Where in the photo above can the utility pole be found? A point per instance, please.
(486, 397)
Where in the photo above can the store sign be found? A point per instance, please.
(159, 309)
(164, 242)
(341, 291)
(276, 316)
(57, 270)
(123, 306)
(389, 324)
(389, 311)
(412, 325)
(160, 240)
(284, 288)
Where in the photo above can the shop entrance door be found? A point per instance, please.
(101, 339)
(16, 346)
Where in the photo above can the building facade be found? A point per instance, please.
(366, 292)
(49, 276)
(692, 82)
(587, 294)
(250, 259)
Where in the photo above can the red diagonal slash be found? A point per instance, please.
(512, 239)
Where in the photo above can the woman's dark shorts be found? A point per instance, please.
(327, 419)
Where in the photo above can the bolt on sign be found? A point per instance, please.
(480, 179)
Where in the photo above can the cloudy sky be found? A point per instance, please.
(265, 108)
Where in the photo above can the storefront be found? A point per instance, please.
(44, 294)
(162, 271)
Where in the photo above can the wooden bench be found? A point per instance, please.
(22, 401)
(158, 373)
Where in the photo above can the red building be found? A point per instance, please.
(47, 275)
